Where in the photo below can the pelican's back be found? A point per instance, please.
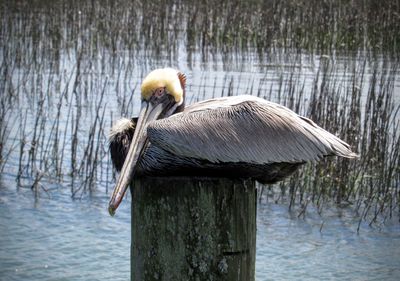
(245, 129)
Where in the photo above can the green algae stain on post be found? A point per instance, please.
(193, 229)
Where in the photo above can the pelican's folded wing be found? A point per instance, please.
(244, 129)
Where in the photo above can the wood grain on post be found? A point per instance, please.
(193, 229)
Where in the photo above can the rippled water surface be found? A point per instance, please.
(62, 239)
(59, 238)
(323, 247)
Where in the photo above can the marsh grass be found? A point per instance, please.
(370, 124)
(70, 68)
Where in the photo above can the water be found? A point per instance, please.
(323, 247)
(59, 238)
(87, 61)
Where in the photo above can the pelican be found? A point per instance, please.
(240, 136)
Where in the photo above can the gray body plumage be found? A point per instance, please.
(241, 136)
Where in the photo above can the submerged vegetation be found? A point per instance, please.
(70, 68)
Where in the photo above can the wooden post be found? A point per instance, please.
(193, 229)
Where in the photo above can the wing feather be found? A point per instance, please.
(244, 129)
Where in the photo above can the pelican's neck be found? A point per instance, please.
(181, 108)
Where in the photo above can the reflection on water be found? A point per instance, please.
(65, 239)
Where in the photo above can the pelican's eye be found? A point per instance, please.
(159, 92)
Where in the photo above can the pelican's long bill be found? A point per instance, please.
(149, 111)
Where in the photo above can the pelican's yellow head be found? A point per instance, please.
(162, 95)
(169, 79)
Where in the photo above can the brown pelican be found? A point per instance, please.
(240, 136)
